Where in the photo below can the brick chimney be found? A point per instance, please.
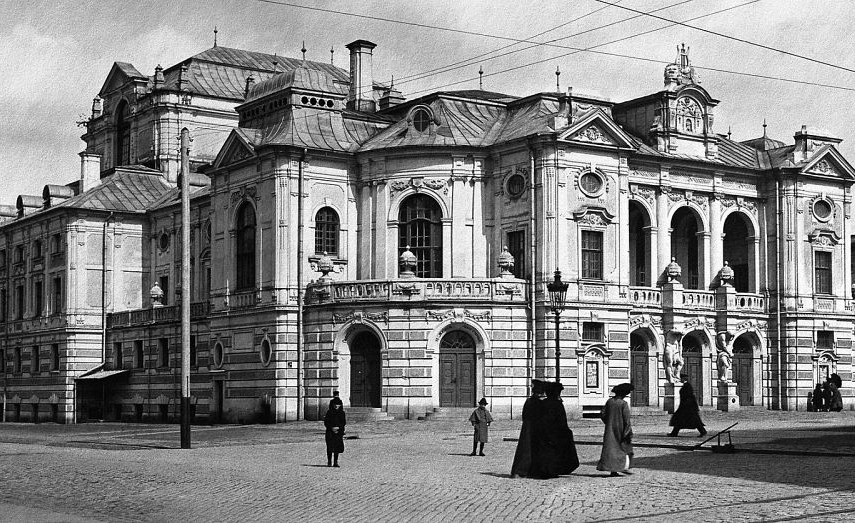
(361, 95)
(90, 171)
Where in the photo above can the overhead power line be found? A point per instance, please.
(730, 37)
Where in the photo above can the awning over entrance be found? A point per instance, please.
(101, 374)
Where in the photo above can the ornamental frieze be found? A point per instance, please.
(593, 134)
(738, 184)
(648, 194)
(244, 192)
(417, 183)
(458, 314)
(360, 316)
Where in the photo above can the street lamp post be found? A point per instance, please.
(557, 296)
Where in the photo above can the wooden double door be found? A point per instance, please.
(457, 381)
(366, 385)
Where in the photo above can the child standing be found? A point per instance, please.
(480, 420)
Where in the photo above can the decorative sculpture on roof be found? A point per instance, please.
(681, 72)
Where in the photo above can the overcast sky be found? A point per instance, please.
(56, 55)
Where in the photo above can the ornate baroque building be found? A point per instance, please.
(398, 251)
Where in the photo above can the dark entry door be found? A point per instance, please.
(639, 379)
(365, 378)
(457, 380)
(743, 375)
(457, 370)
(692, 366)
(638, 364)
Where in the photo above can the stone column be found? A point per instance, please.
(715, 254)
(663, 239)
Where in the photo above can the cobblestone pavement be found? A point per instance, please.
(789, 467)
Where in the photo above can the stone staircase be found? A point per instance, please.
(355, 414)
(449, 413)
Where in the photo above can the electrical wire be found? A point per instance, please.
(730, 37)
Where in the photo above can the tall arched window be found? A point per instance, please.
(420, 227)
(326, 231)
(123, 135)
(245, 249)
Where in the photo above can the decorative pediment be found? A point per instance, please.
(829, 162)
(235, 149)
(594, 216)
(824, 237)
(597, 128)
(119, 75)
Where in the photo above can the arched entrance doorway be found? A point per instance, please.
(738, 251)
(457, 370)
(693, 364)
(743, 369)
(639, 370)
(639, 246)
(685, 246)
(365, 370)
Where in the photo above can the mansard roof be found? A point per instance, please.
(221, 72)
(300, 78)
(730, 153)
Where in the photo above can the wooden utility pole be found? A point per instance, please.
(185, 288)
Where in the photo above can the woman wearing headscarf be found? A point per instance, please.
(526, 460)
(335, 422)
(688, 414)
(557, 449)
(617, 438)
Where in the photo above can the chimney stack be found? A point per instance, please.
(90, 171)
(361, 95)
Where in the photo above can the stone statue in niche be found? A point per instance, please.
(724, 344)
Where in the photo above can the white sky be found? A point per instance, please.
(54, 57)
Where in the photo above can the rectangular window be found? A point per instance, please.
(38, 298)
(516, 246)
(824, 340)
(163, 352)
(117, 355)
(19, 302)
(592, 255)
(193, 351)
(54, 356)
(16, 368)
(2, 304)
(164, 286)
(36, 360)
(592, 332)
(592, 374)
(139, 356)
(822, 267)
(56, 304)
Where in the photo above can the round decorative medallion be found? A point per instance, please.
(516, 185)
(822, 210)
(591, 184)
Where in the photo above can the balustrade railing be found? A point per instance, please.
(156, 314)
(421, 288)
(750, 302)
(645, 297)
(703, 300)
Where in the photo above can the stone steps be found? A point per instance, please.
(355, 414)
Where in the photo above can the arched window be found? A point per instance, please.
(123, 135)
(245, 251)
(420, 227)
(326, 231)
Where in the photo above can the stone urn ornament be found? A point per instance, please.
(408, 263)
(325, 267)
(156, 294)
(726, 275)
(673, 271)
(506, 263)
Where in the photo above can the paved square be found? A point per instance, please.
(419, 471)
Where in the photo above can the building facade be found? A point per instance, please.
(398, 251)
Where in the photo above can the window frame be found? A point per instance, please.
(516, 242)
(823, 275)
(596, 327)
(35, 359)
(420, 228)
(591, 257)
(245, 255)
(163, 353)
(327, 230)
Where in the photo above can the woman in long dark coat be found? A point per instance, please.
(335, 422)
(557, 450)
(617, 438)
(526, 460)
(687, 415)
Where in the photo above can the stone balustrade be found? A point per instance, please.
(419, 289)
(198, 310)
(750, 302)
(701, 300)
(645, 297)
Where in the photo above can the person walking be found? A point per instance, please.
(557, 448)
(480, 419)
(526, 461)
(335, 421)
(687, 415)
(617, 438)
